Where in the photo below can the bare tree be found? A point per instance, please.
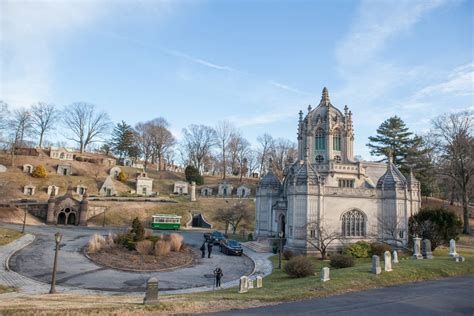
(86, 125)
(145, 141)
(321, 238)
(455, 147)
(242, 156)
(162, 139)
(265, 146)
(282, 152)
(43, 116)
(198, 143)
(224, 132)
(19, 126)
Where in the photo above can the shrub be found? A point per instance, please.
(162, 248)
(144, 247)
(176, 242)
(250, 237)
(126, 240)
(96, 243)
(299, 267)
(436, 224)
(192, 174)
(288, 254)
(79, 158)
(360, 249)
(341, 261)
(137, 231)
(111, 239)
(148, 233)
(39, 172)
(122, 177)
(378, 248)
(153, 239)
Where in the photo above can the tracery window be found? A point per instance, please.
(353, 224)
(337, 159)
(336, 140)
(319, 159)
(320, 141)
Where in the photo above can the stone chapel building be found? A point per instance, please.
(327, 189)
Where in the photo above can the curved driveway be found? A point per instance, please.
(75, 270)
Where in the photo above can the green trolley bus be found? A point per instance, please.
(166, 221)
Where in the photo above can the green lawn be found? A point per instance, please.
(8, 235)
(279, 287)
(6, 289)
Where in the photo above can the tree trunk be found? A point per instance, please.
(41, 140)
(465, 209)
(223, 162)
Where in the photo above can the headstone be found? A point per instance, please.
(395, 257)
(452, 248)
(250, 283)
(417, 248)
(376, 265)
(325, 274)
(193, 191)
(259, 282)
(387, 259)
(427, 254)
(3, 168)
(151, 295)
(243, 284)
(459, 259)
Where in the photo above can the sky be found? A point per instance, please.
(254, 63)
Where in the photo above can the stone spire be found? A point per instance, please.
(309, 107)
(325, 96)
(411, 178)
(52, 195)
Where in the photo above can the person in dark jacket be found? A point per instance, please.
(203, 250)
(218, 275)
(209, 249)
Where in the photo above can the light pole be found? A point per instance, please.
(24, 219)
(57, 237)
(280, 250)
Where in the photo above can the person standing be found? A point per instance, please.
(209, 249)
(218, 275)
(203, 250)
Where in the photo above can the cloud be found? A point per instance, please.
(198, 60)
(287, 88)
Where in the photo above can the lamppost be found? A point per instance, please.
(280, 249)
(24, 219)
(57, 237)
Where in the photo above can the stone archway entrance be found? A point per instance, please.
(61, 218)
(71, 219)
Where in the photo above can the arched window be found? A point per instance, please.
(336, 140)
(320, 141)
(353, 224)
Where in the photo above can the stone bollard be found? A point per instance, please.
(395, 257)
(452, 248)
(325, 274)
(243, 284)
(151, 295)
(193, 191)
(427, 254)
(259, 282)
(416, 248)
(387, 259)
(376, 265)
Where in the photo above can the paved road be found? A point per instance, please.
(454, 296)
(74, 270)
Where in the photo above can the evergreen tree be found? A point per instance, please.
(122, 139)
(192, 174)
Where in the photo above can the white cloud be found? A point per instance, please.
(198, 60)
(287, 88)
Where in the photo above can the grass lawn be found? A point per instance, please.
(8, 235)
(279, 287)
(6, 289)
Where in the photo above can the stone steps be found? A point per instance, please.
(258, 246)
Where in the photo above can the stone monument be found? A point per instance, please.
(259, 282)
(376, 265)
(452, 248)
(193, 191)
(427, 254)
(395, 257)
(243, 284)
(151, 295)
(416, 248)
(387, 259)
(325, 274)
(250, 283)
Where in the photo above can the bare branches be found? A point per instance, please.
(43, 116)
(321, 238)
(198, 143)
(224, 132)
(86, 125)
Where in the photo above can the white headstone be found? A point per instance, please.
(259, 282)
(3, 168)
(452, 248)
(417, 248)
(426, 250)
(387, 258)
(325, 274)
(395, 257)
(250, 283)
(243, 284)
(193, 191)
(459, 259)
(376, 265)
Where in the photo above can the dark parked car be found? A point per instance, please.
(216, 236)
(231, 247)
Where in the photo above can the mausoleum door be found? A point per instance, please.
(71, 219)
(61, 218)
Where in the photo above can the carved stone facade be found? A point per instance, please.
(328, 191)
(65, 210)
(144, 184)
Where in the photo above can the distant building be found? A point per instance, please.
(64, 170)
(61, 153)
(25, 151)
(65, 210)
(108, 188)
(27, 168)
(180, 187)
(224, 189)
(114, 172)
(29, 189)
(243, 191)
(144, 184)
(206, 191)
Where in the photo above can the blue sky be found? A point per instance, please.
(255, 63)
